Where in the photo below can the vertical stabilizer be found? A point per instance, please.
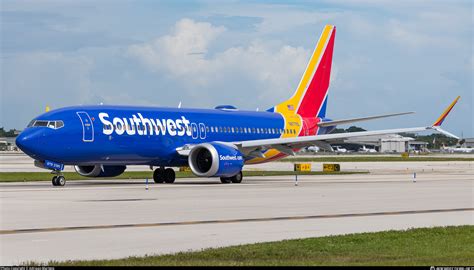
(310, 97)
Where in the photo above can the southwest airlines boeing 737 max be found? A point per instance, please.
(100, 141)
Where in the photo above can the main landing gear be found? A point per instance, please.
(58, 179)
(234, 179)
(162, 175)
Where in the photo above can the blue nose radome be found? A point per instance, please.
(28, 141)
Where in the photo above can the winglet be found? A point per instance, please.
(441, 118)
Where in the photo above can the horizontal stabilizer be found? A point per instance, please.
(352, 120)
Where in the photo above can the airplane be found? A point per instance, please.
(364, 149)
(457, 149)
(102, 140)
(339, 149)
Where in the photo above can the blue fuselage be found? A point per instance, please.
(123, 135)
(139, 135)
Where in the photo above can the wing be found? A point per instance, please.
(286, 145)
(254, 148)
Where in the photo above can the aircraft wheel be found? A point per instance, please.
(225, 180)
(54, 180)
(61, 181)
(237, 178)
(158, 176)
(169, 176)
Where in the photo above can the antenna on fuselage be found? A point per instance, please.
(257, 109)
(179, 105)
(47, 109)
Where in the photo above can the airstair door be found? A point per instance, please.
(87, 127)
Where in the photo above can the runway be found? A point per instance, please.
(103, 219)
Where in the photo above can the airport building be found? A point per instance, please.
(468, 142)
(394, 144)
(390, 143)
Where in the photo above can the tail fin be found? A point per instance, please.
(310, 98)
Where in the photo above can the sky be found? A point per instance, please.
(389, 56)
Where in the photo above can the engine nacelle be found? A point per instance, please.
(215, 160)
(100, 171)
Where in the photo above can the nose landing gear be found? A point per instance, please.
(58, 180)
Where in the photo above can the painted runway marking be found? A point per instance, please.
(197, 222)
(118, 200)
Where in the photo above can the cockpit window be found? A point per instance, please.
(40, 123)
(45, 123)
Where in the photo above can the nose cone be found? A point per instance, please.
(28, 141)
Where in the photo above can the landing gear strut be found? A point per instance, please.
(58, 179)
(234, 179)
(162, 175)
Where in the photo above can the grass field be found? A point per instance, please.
(373, 159)
(46, 176)
(427, 246)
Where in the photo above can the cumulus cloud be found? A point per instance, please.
(181, 52)
(184, 54)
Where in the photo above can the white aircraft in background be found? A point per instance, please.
(312, 149)
(367, 150)
(457, 149)
(339, 149)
